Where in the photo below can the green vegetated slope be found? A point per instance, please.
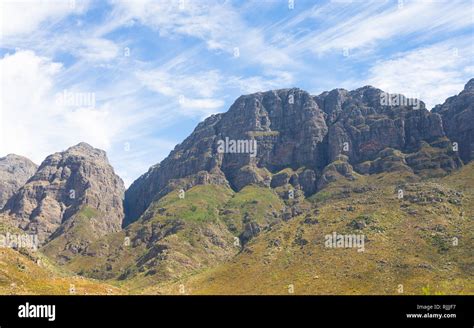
(176, 237)
(29, 272)
(73, 237)
(419, 244)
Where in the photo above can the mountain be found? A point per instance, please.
(246, 203)
(420, 244)
(303, 134)
(70, 189)
(458, 120)
(14, 172)
(332, 162)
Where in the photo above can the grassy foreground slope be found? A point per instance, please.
(176, 237)
(28, 272)
(421, 243)
(20, 275)
(418, 240)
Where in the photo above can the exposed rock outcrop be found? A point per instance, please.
(287, 126)
(64, 184)
(337, 170)
(14, 172)
(458, 120)
(290, 129)
(361, 126)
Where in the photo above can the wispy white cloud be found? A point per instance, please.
(218, 24)
(257, 83)
(35, 124)
(20, 17)
(194, 93)
(203, 84)
(96, 49)
(204, 93)
(432, 73)
(356, 25)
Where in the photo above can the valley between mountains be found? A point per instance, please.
(257, 220)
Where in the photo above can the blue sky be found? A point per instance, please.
(156, 68)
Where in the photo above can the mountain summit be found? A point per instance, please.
(65, 184)
(458, 120)
(14, 172)
(336, 134)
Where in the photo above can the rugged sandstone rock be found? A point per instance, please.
(337, 170)
(388, 160)
(65, 184)
(458, 120)
(362, 126)
(14, 172)
(303, 133)
(287, 124)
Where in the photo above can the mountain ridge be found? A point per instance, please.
(332, 162)
(62, 185)
(15, 170)
(334, 117)
(327, 124)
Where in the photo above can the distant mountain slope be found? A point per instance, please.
(176, 237)
(66, 184)
(14, 172)
(458, 119)
(420, 244)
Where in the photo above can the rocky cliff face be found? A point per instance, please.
(362, 131)
(65, 184)
(458, 120)
(287, 126)
(14, 172)
(359, 121)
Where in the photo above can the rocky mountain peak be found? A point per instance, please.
(293, 129)
(85, 149)
(15, 170)
(81, 151)
(458, 120)
(64, 184)
(469, 85)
